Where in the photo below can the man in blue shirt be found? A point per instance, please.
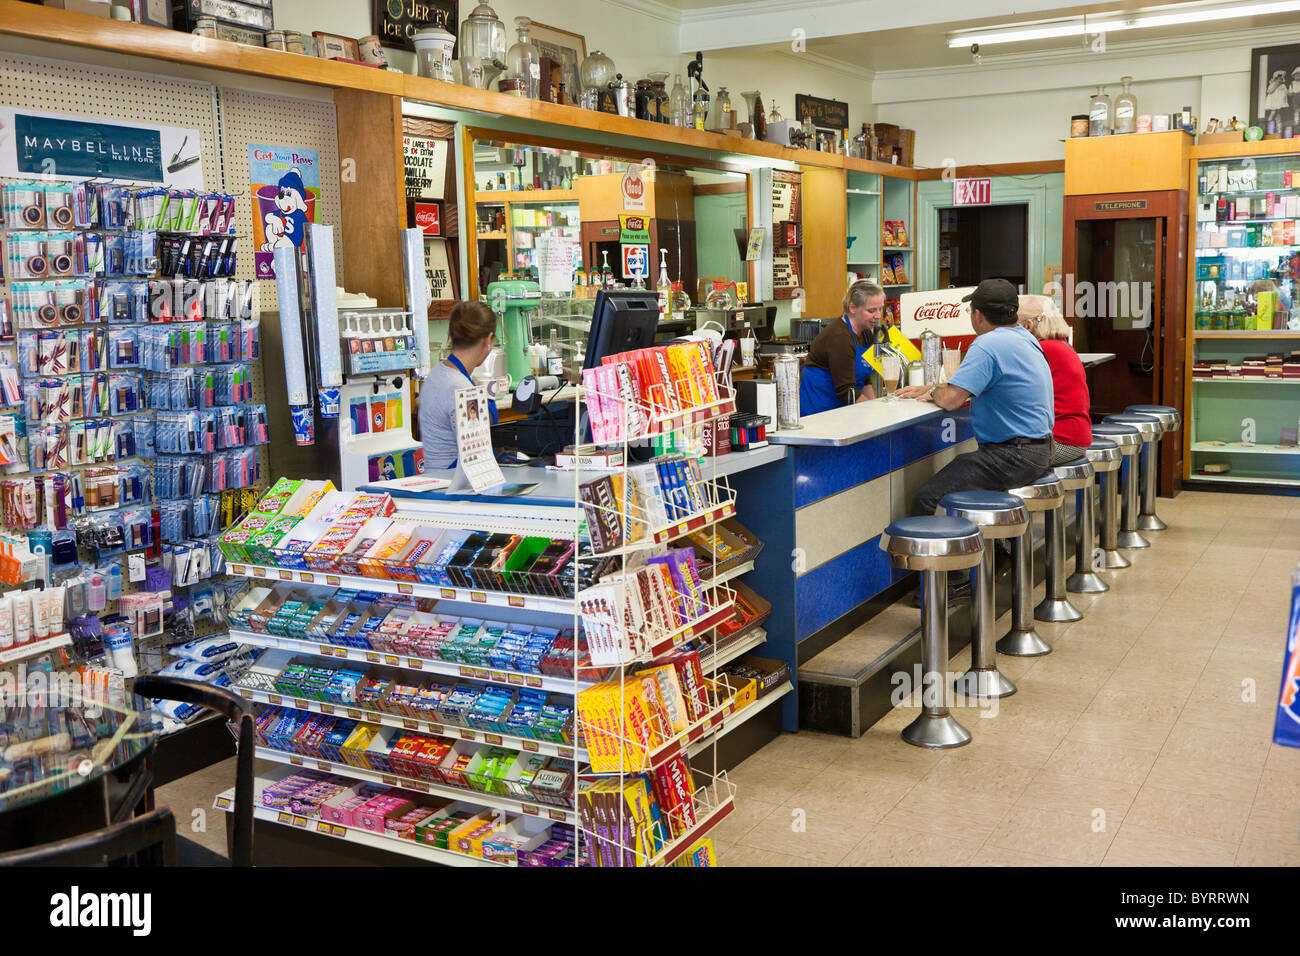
(1006, 378)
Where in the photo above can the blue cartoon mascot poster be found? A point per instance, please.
(286, 190)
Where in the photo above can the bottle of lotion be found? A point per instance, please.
(40, 615)
(6, 623)
(22, 602)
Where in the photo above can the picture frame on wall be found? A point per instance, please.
(1275, 87)
(562, 47)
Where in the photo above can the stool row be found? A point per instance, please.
(1124, 450)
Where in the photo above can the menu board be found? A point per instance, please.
(787, 216)
(425, 160)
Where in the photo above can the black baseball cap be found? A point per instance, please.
(994, 297)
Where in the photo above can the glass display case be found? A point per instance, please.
(1245, 322)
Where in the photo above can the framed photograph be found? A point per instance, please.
(567, 49)
(1275, 87)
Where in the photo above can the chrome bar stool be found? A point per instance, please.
(1075, 476)
(934, 545)
(1105, 458)
(998, 515)
(1149, 428)
(1171, 421)
(1023, 640)
(1129, 440)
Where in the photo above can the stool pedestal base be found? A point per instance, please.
(1131, 540)
(1023, 642)
(1086, 583)
(936, 732)
(986, 683)
(1150, 523)
(1057, 611)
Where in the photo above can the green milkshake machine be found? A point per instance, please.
(514, 300)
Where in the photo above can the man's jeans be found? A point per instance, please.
(988, 468)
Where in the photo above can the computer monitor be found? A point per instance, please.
(622, 320)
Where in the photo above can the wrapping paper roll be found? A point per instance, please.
(324, 297)
(286, 290)
(417, 295)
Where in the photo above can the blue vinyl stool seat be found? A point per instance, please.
(1170, 421)
(934, 545)
(999, 515)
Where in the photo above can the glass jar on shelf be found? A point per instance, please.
(595, 73)
(524, 63)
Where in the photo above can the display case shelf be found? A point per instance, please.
(25, 651)
(1261, 449)
(1243, 380)
(1245, 335)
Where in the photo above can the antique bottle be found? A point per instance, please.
(523, 62)
(482, 48)
(1126, 108)
(1099, 116)
(596, 72)
(680, 103)
(723, 117)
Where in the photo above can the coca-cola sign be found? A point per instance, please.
(941, 311)
(428, 217)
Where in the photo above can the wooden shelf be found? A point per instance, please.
(1246, 335)
(33, 22)
(525, 195)
(491, 236)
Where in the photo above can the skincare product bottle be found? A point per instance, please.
(22, 601)
(40, 616)
(6, 624)
(54, 608)
(95, 591)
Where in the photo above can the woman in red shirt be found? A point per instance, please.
(1072, 432)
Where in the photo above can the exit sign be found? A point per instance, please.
(972, 192)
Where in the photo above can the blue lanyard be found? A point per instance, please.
(457, 362)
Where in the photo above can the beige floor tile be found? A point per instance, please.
(1097, 761)
(1036, 695)
(1076, 838)
(747, 814)
(823, 836)
(963, 770)
(1216, 747)
(1266, 827)
(738, 855)
(1273, 854)
(768, 781)
(1191, 815)
(862, 794)
(888, 845)
(955, 813)
(1029, 753)
(1159, 704)
(1218, 708)
(1136, 845)
(812, 751)
(1278, 792)
(1083, 796)
(1206, 778)
(1123, 732)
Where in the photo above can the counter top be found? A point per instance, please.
(854, 423)
(1090, 359)
(559, 488)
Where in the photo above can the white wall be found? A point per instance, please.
(637, 41)
(1017, 108)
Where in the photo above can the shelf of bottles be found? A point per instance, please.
(1245, 321)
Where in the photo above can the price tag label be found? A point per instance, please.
(296, 761)
(275, 699)
(300, 821)
(478, 597)
(498, 675)
(327, 650)
(517, 679)
(327, 709)
(340, 831)
(492, 739)
(236, 569)
(435, 728)
(419, 785)
(372, 658)
(448, 593)
(478, 672)
(557, 815)
(332, 579)
(404, 589)
(302, 704)
(323, 765)
(354, 714)
(530, 746)
(468, 735)
(323, 827)
(415, 663)
(306, 577)
(564, 751)
(286, 575)
(283, 817)
(223, 803)
(390, 659)
(466, 671)
(410, 724)
(389, 781)
(532, 811)
(514, 601)
(683, 527)
(531, 681)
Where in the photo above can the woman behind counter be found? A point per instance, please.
(835, 372)
(472, 330)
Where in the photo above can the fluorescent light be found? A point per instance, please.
(1201, 11)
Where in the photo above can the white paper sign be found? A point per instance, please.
(474, 439)
(941, 311)
(555, 264)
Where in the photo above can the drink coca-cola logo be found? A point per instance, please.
(934, 311)
(427, 218)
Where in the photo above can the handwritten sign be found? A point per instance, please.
(826, 114)
(425, 160)
(396, 21)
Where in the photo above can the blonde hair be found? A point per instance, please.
(859, 293)
(1039, 314)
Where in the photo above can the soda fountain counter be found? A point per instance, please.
(818, 498)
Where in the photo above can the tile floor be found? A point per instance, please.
(1143, 739)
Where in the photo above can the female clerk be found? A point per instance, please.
(472, 330)
(835, 370)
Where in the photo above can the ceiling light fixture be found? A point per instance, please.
(1201, 11)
